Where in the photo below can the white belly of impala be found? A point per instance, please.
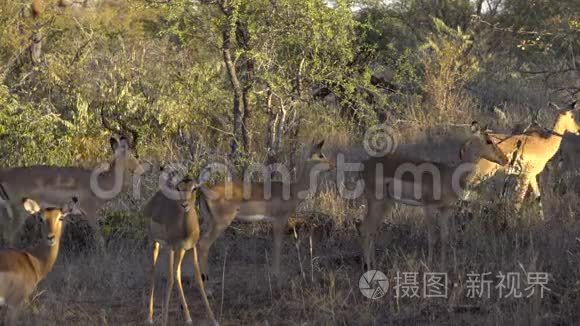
(404, 192)
(254, 218)
(408, 201)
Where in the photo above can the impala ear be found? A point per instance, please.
(72, 207)
(484, 129)
(30, 205)
(114, 143)
(194, 186)
(475, 127)
(461, 154)
(318, 147)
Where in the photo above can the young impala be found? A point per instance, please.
(174, 223)
(22, 270)
(272, 201)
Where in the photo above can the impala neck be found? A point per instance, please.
(559, 129)
(191, 221)
(560, 124)
(468, 175)
(44, 256)
(307, 178)
(107, 179)
(468, 168)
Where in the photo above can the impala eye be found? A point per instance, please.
(489, 142)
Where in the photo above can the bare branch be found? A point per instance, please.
(132, 131)
(124, 131)
(107, 124)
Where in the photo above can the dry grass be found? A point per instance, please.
(111, 289)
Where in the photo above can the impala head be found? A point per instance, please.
(186, 188)
(52, 218)
(124, 150)
(124, 155)
(481, 145)
(567, 120)
(316, 156)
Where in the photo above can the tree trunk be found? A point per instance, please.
(281, 119)
(243, 40)
(271, 131)
(246, 138)
(238, 94)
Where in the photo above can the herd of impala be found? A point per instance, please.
(51, 193)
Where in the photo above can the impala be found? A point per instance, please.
(537, 148)
(272, 201)
(434, 186)
(22, 270)
(57, 185)
(174, 223)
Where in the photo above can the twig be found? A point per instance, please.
(222, 131)
(311, 260)
(511, 29)
(298, 252)
(269, 278)
(223, 283)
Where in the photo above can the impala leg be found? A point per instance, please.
(177, 271)
(521, 190)
(369, 229)
(90, 210)
(152, 281)
(430, 221)
(98, 235)
(12, 315)
(443, 220)
(170, 281)
(201, 286)
(215, 229)
(537, 195)
(278, 227)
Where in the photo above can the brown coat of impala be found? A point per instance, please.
(434, 186)
(534, 153)
(56, 185)
(22, 270)
(252, 202)
(174, 223)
